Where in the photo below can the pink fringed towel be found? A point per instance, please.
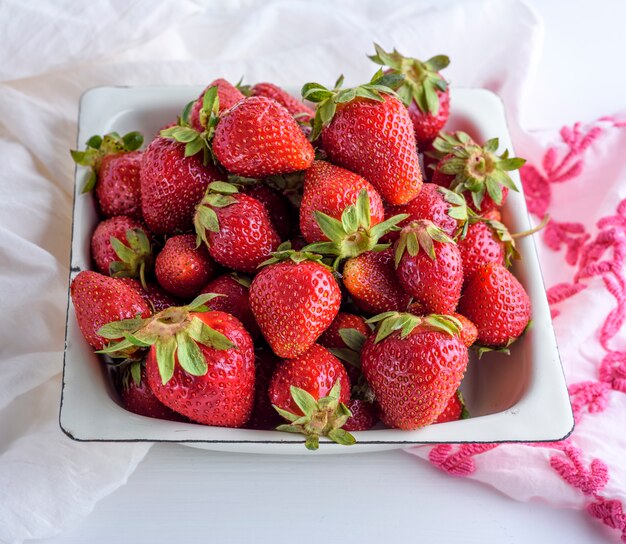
(581, 182)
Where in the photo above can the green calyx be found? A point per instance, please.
(390, 322)
(327, 100)
(422, 79)
(458, 210)
(354, 234)
(218, 195)
(285, 253)
(354, 341)
(176, 334)
(421, 233)
(134, 257)
(290, 185)
(323, 417)
(98, 147)
(196, 141)
(477, 169)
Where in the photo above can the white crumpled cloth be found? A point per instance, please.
(52, 51)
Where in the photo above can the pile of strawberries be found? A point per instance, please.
(264, 264)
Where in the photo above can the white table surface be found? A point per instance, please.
(180, 494)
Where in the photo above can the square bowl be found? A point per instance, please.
(507, 396)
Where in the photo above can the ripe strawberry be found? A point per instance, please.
(226, 219)
(228, 95)
(332, 337)
(300, 111)
(258, 138)
(475, 171)
(115, 167)
(371, 281)
(447, 210)
(181, 268)
(368, 131)
(467, 330)
(294, 300)
(172, 184)
(121, 248)
(137, 397)
(495, 301)
(264, 416)
(454, 410)
(330, 190)
(200, 364)
(279, 209)
(157, 298)
(414, 365)
(364, 415)
(434, 275)
(100, 299)
(236, 300)
(310, 392)
(424, 91)
(480, 246)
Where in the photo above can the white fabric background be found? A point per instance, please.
(50, 54)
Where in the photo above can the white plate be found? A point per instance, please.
(521, 397)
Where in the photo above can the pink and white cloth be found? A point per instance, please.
(50, 54)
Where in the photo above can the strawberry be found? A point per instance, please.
(114, 172)
(477, 172)
(467, 330)
(258, 137)
(278, 207)
(368, 131)
(157, 298)
(433, 276)
(364, 415)
(99, 299)
(310, 392)
(235, 300)
(300, 111)
(480, 246)
(226, 219)
(181, 268)
(332, 336)
(137, 397)
(200, 363)
(424, 91)
(228, 95)
(447, 210)
(414, 365)
(454, 410)
(495, 301)
(264, 416)
(371, 281)
(121, 248)
(172, 184)
(294, 299)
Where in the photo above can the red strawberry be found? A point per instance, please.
(181, 268)
(264, 416)
(332, 337)
(297, 390)
(115, 167)
(369, 132)
(100, 299)
(371, 281)
(330, 190)
(423, 91)
(226, 219)
(137, 397)
(413, 365)
(447, 210)
(294, 301)
(300, 111)
(278, 207)
(172, 185)
(495, 301)
(480, 246)
(467, 331)
(200, 364)
(228, 95)
(236, 300)
(454, 410)
(477, 172)
(434, 275)
(364, 415)
(156, 297)
(121, 248)
(258, 137)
